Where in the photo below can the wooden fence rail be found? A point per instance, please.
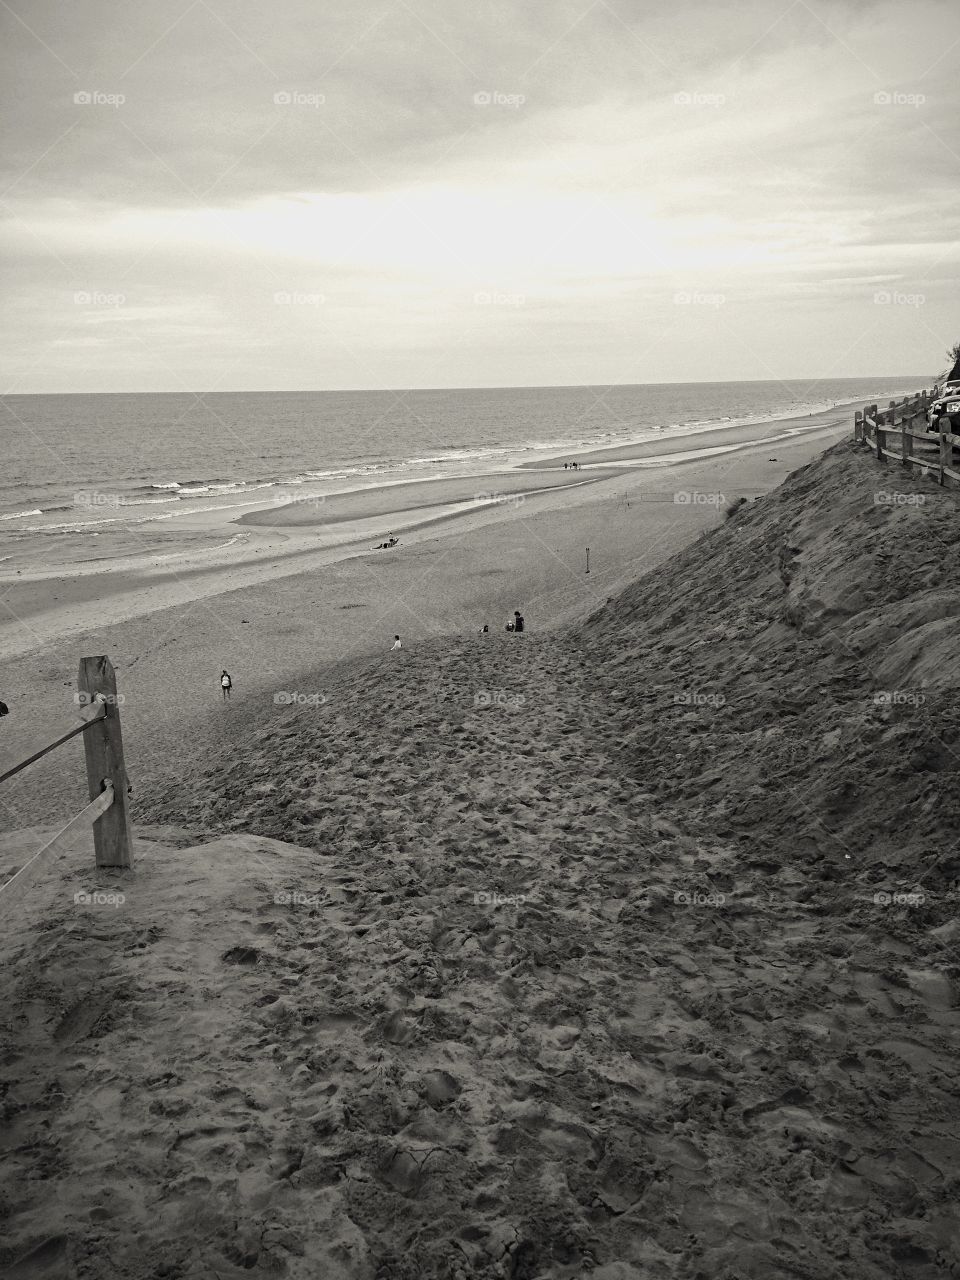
(929, 451)
(107, 785)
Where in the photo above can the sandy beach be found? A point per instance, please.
(285, 605)
(627, 948)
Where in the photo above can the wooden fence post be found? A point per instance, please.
(906, 441)
(103, 748)
(946, 454)
(857, 426)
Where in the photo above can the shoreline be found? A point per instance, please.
(270, 542)
(297, 617)
(265, 492)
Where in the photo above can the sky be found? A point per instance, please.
(217, 195)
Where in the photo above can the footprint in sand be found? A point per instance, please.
(401, 1027)
(441, 1087)
(402, 1172)
(81, 1018)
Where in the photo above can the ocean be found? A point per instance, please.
(79, 463)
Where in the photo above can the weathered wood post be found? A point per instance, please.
(906, 441)
(857, 426)
(103, 748)
(946, 454)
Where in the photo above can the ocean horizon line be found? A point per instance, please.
(520, 386)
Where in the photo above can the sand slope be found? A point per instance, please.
(590, 984)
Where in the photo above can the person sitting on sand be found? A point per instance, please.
(226, 684)
(5, 710)
(483, 631)
(517, 620)
(396, 644)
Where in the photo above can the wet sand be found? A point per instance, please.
(421, 496)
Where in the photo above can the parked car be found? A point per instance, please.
(943, 413)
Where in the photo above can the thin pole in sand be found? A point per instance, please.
(588, 559)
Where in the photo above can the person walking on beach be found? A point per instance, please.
(517, 621)
(396, 644)
(226, 684)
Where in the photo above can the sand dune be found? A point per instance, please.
(629, 950)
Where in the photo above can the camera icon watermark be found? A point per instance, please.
(500, 499)
(294, 98)
(883, 498)
(99, 899)
(94, 298)
(286, 298)
(695, 698)
(498, 698)
(487, 298)
(884, 899)
(686, 98)
(91, 500)
(96, 98)
(494, 98)
(296, 898)
(899, 698)
(693, 498)
(292, 497)
(886, 98)
(499, 899)
(892, 298)
(291, 698)
(697, 899)
(83, 699)
(688, 298)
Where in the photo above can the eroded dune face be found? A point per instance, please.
(801, 656)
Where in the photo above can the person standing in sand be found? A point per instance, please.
(517, 621)
(396, 644)
(226, 684)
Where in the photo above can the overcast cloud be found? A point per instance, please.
(228, 195)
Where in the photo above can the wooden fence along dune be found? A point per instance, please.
(108, 810)
(903, 423)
